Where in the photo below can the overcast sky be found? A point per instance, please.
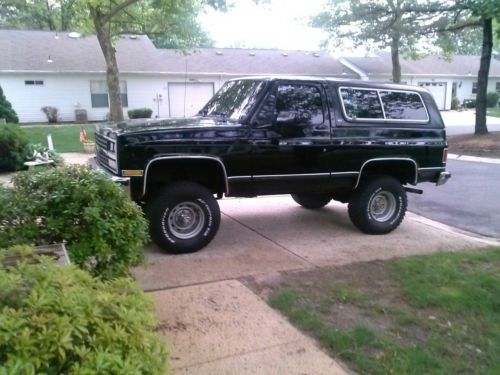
(277, 24)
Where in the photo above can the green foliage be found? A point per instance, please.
(140, 113)
(14, 148)
(492, 99)
(102, 227)
(455, 103)
(61, 320)
(6, 110)
(38, 149)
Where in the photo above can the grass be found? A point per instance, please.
(66, 138)
(495, 112)
(437, 314)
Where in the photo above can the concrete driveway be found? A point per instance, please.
(272, 234)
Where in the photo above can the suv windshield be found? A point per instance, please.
(233, 101)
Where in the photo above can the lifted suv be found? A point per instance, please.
(317, 139)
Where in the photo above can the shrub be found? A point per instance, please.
(51, 113)
(455, 103)
(41, 150)
(6, 110)
(14, 148)
(492, 99)
(61, 320)
(140, 113)
(469, 103)
(101, 226)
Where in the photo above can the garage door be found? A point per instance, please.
(186, 99)
(438, 91)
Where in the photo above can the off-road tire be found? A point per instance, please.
(183, 217)
(378, 205)
(311, 201)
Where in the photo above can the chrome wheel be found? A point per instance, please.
(382, 206)
(186, 220)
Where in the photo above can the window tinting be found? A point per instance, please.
(403, 106)
(361, 104)
(299, 104)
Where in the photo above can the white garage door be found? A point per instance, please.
(186, 99)
(438, 91)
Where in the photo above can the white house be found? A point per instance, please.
(443, 78)
(67, 71)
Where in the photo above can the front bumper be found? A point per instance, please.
(96, 167)
(443, 178)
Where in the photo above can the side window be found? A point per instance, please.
(292, 107)
(403, 106)
(361, 104)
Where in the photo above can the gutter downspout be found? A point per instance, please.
(362, 75)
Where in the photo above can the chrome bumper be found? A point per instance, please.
(443, 178)
(96, 167)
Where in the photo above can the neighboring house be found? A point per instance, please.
(67, 71)
(444, 79)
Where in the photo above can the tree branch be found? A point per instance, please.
(114, 11)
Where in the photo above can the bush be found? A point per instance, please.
(6, 110)
(492, 99)
(455, 103)
(51, 113)
(469, 103)
(140, 113)
(14, 148)
(101, 226)
(60, 320)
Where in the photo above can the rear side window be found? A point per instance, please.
(361, 104)
(382, 105)
(403, 105)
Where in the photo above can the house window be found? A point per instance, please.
(497, 87)
(99, 94)
(474, 87)
(33, 82)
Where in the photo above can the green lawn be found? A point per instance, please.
(435, 314)
(66, 138)
(495, 112)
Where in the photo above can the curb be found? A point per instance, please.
(476, 159)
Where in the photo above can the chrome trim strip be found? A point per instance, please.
(432, 168)
(387, 159)
(443, 178)
(93, 164)
(291, 175)
(242, 178)
(185, 157)
(389, 120)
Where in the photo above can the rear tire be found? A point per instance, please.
(378, 205)
(183, 218)
(311, 201)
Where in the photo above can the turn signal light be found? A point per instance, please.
(445, 155)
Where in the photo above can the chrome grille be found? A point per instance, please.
(106, 152)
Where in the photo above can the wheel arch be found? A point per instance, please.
(204, 169)
(403, 169)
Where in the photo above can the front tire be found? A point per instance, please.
(311, 201)
(183, 218)
(378, 205)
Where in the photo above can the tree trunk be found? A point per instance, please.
(396, 66)
(482, 78)
(112, 75)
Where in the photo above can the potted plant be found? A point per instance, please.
(88, 144)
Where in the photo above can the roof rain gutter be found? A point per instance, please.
(362, 75)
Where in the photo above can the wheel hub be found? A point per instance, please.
(186, 220)
(383, 206)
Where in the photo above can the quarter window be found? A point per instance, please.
(99, 94)
(361, 104)
(403, 106)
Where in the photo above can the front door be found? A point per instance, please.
(290, 137)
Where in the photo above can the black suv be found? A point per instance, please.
(356, 142)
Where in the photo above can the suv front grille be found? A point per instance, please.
(106, 152)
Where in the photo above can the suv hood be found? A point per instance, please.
(139, 125)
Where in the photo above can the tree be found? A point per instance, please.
(398, 24)
(6, 110)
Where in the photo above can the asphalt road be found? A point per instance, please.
(470, 200)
